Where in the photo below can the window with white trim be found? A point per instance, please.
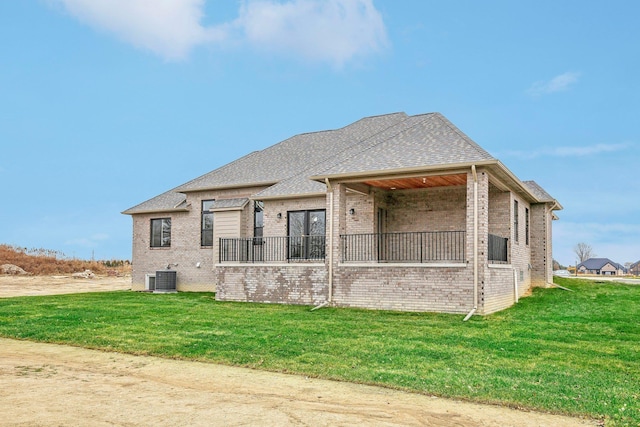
(160, 233)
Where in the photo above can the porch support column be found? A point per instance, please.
(339, 226)
(331, 239)
(477, 234)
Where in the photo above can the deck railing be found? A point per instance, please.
(272, 249)
(411, 247)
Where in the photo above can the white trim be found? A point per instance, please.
(504, 266)
(258, 264)
(346, 264)
(405, 265)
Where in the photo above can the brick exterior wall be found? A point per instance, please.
(520, 250)
(185, 247)
(277, 227)
(541, 250)
(434, 209)
(500, 212)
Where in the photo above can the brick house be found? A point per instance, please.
(602, 266)
(391, 212)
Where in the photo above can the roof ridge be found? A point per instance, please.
(463, 135)
(351, 146)
(384, 140)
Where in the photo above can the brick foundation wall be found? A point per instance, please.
(440, 289)
(282, 284)
(500, 286)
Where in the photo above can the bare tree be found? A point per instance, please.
(584, 251)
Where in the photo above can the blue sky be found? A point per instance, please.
(107, 103)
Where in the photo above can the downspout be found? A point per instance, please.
(330, 276)
(475, 243)
(515, 283)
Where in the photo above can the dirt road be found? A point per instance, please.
(13, 286)
(53, 385)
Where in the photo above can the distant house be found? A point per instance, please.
(603, 266)
(391, 212)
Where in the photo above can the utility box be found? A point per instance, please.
(165, 281)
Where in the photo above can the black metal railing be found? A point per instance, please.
(272, 249)
(418, 247)
(498, 249)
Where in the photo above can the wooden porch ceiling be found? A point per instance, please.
(418, 182)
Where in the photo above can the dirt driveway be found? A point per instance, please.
(53, 385)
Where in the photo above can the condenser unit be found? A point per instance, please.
(165, 281)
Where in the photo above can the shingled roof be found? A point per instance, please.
(374, 145)
(599, 263)
(291, 156)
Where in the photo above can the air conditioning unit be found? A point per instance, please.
(165, 281)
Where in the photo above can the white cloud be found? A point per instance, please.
(334, 31)
(577, 151)
(168, 28)
(557, 84)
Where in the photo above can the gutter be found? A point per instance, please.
(475, 244)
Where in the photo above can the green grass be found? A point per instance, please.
(575, 353)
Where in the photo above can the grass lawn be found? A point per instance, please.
(575, 353)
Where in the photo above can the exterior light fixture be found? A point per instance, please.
(352, 211)
(279, 215)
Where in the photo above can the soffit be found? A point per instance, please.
(418, 182)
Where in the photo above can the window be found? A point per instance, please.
(206, 234)
(258, 218)
(526, 225)
(306, 234)
(515, 220)
(161, 233)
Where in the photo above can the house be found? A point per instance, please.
(603, 266)
(391, 212)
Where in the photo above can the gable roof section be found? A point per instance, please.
(169, 201)
(432, 141)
